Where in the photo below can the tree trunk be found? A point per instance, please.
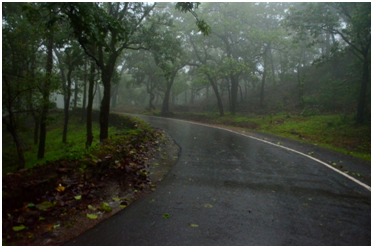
(261, 103)
(11, 129)
(36, 129)
(84, 89)
(272, 67)
(90, 105)
(156, 99)
(186, 96)
(173, 98)
(105, 109)
(165, 104)
(149, 89)
(151, 98)
(11, 125)
(76, 90)
(114, 95)
(67, 105)
(207, 93)
(218, 98)
(99, 95)
(45, 95)
(300, 87)
(229, 96)
(191, 95)
(363, 88)
(239, 86)
(234, 93)
(246, 88)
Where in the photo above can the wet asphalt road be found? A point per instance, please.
(239, 191)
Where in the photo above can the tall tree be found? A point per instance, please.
(20, 48)
(104, 31)
(351, 22)
(72, 57)
(170, 58)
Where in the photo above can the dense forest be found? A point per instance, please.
(227, 58)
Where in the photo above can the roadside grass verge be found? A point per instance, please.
(336, 132)
(55, 149)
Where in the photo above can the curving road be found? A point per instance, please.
(239, 191)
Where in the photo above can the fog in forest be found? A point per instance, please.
(165, 59)
(91, 91)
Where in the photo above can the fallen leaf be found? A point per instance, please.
(44, 206)
(192, 225)
(310, 153)
(166, 216)
(105, 207)
(78, 197)
(30, 205)
(41, 218)
(92, 216)
(56, 226)
(116, 199)
(208, 206)
(123, 204)
(18, 228)
(91, 207)
(60, 188)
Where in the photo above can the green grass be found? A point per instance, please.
(336, 132)
(55, 149)
(333, 131)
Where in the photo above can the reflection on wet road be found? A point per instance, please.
(240, 191)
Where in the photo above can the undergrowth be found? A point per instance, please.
(55, 149)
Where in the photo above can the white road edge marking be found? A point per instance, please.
(286, 148)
